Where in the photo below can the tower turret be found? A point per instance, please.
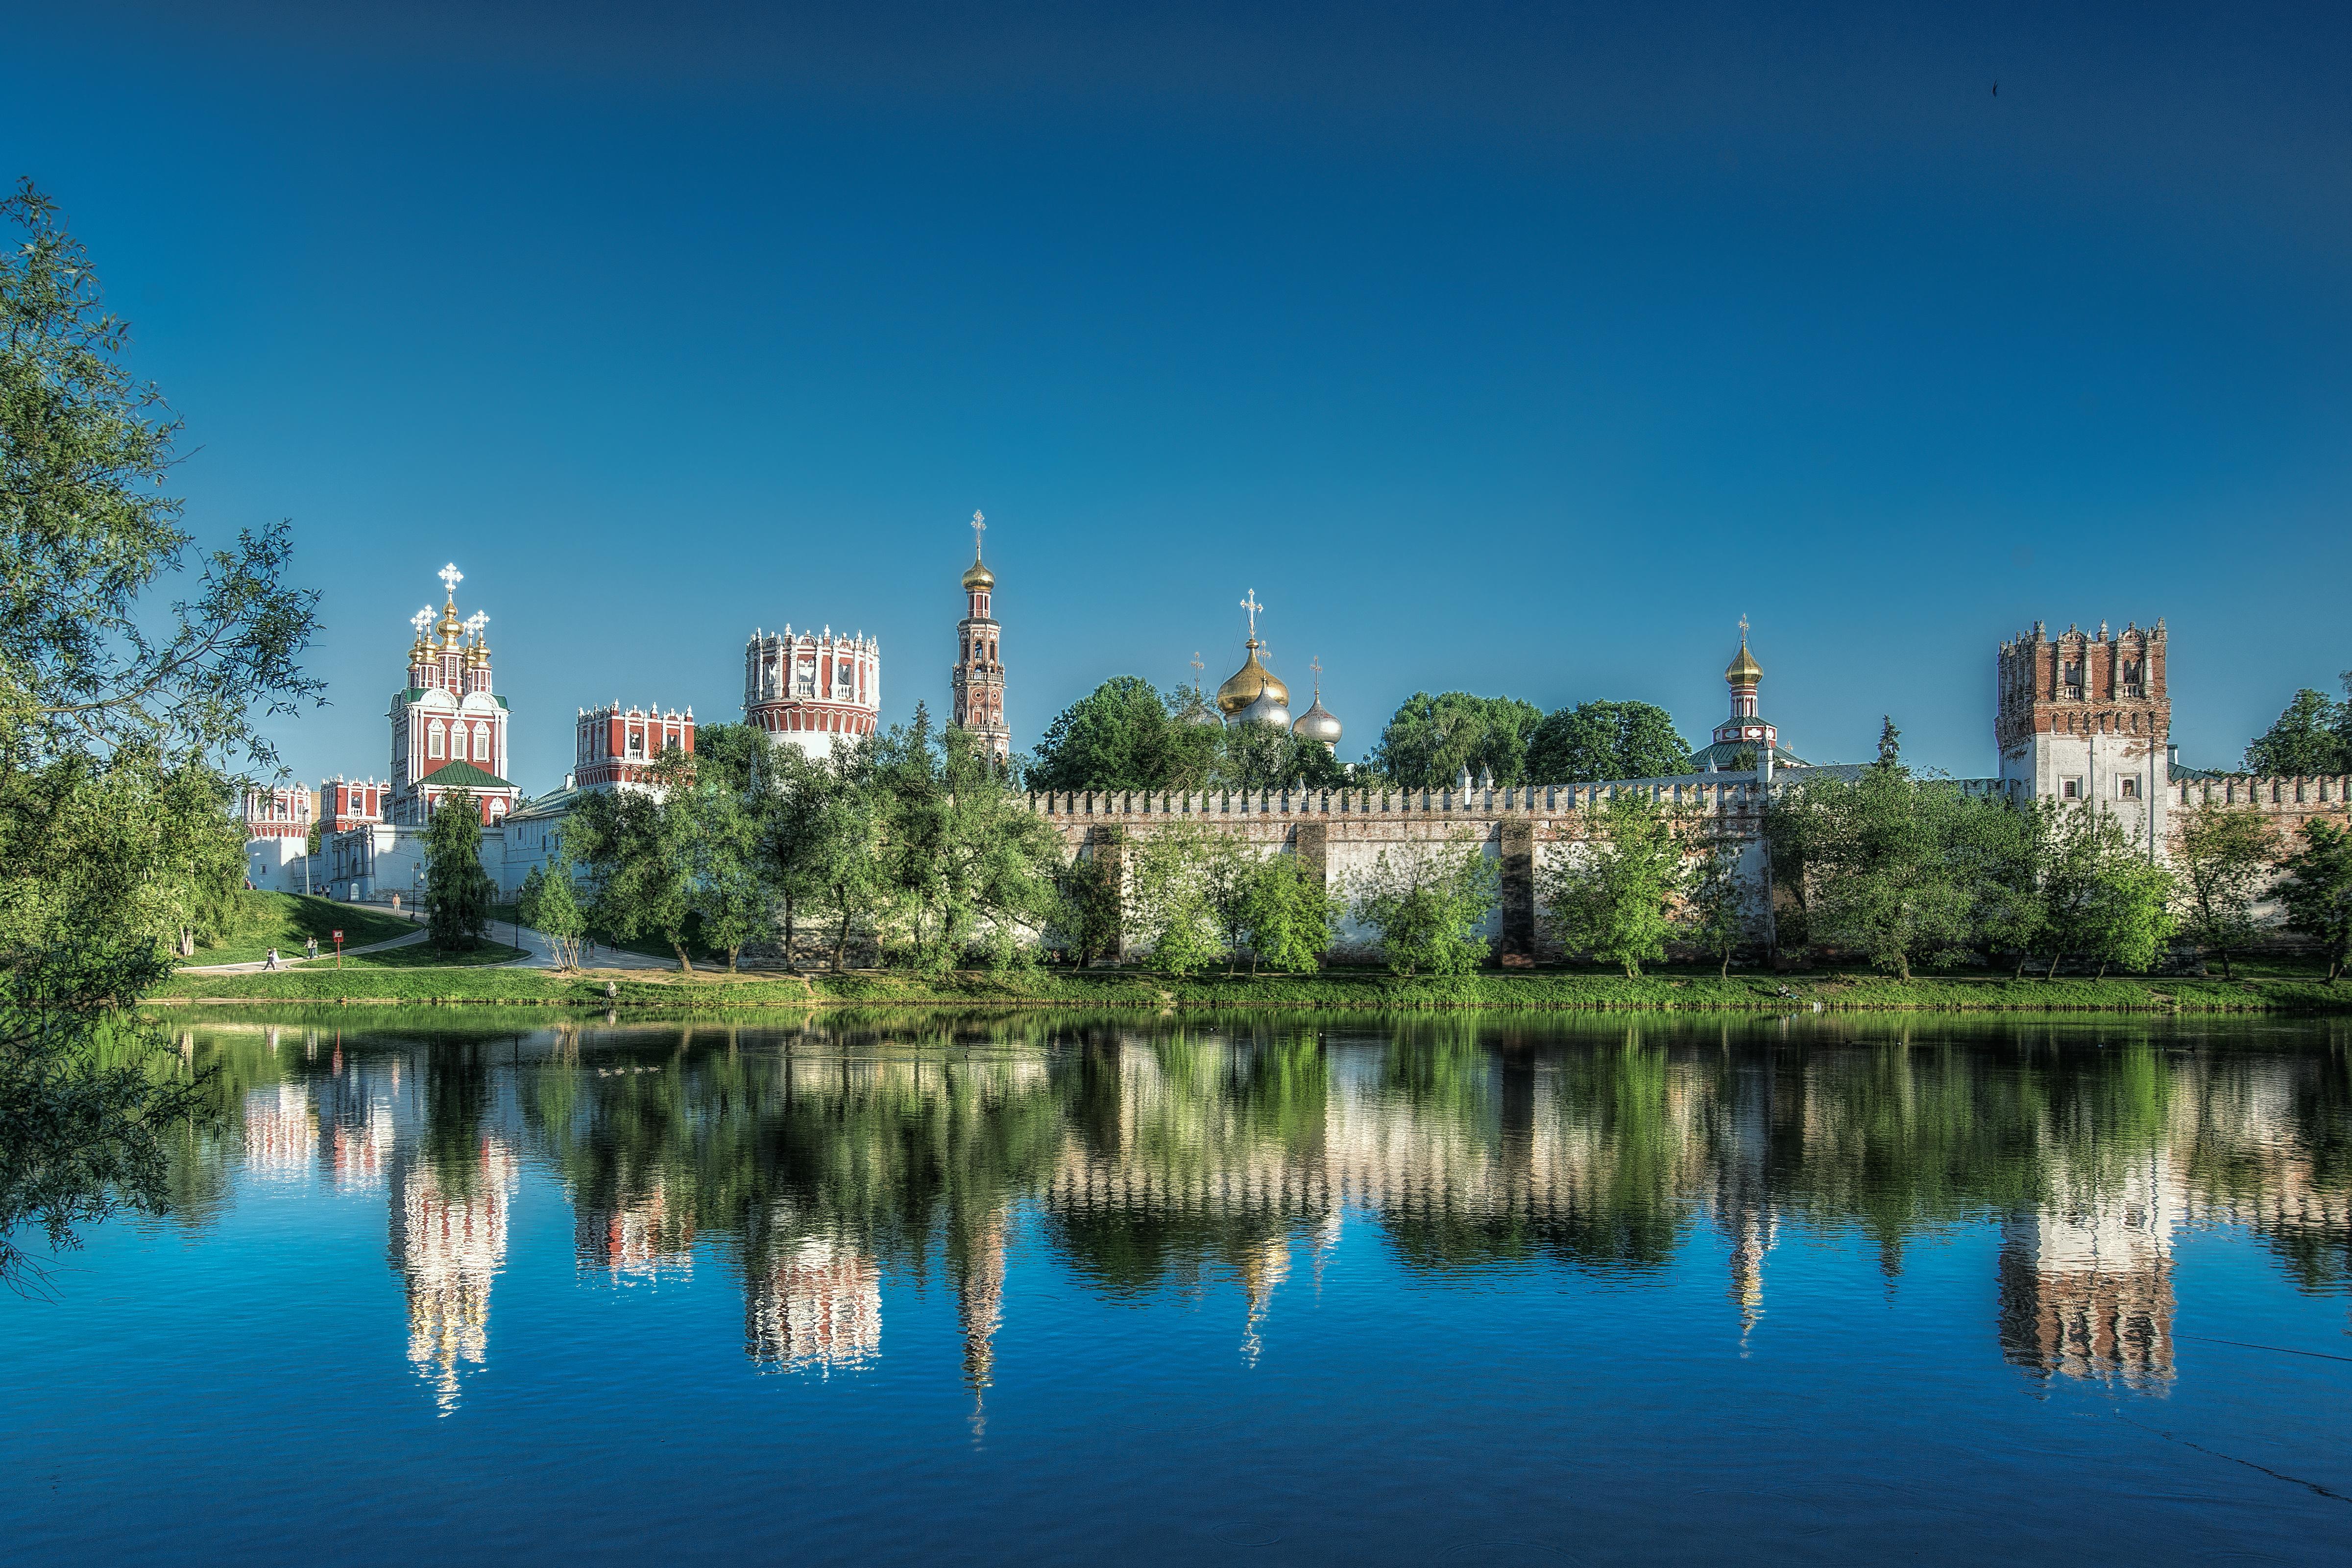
(977, 681)
(2085, 716)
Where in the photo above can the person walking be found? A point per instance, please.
(272, 962)
(311, 949)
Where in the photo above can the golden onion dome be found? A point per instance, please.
(978, 576)
(1743, 670)
(1248, 684)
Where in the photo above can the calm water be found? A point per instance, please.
(1069, 1290)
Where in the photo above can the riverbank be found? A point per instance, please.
(1343, 991)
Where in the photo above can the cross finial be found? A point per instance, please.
(451, 577)
(1250, 603)
(421, 620)
(476, 622)
(979, 527)
(1316, 664)
(1197, 665)
(1743, 631)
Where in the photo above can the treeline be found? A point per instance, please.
(909, 846)
(1127, 734)
(2312, 737)
(1908, 871)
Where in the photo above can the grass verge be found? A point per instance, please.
(282, 920)
(426, 978)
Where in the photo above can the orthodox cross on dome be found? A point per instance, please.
(1743, 631)
(1250, 603)
(1316, 664)
(979, 527)
(421, 620)
(451, 577)
(475, 622)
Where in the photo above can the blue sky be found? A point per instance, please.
(1514, 350)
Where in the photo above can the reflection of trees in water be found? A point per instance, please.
(1151, 1154)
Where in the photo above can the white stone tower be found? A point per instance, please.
(2084, 717)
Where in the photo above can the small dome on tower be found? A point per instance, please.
(1743, 670)
(978, 576)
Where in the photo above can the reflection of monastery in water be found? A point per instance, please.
(811, 1301)
(641, 1236)
(448, 1241)
(2087, 1277)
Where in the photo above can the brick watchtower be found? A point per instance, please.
(978, 678)
(2080, 716)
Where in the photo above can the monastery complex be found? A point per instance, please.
(2081, 717)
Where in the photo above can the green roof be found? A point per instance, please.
(464, 776)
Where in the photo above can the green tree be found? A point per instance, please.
(1714, 917)
(1616, 899)
(2308, 738)
(1289, 916)
(548, 905)
(1089, 915)
(2096, 889)
(1169, 872)
(637, 851)
(2129, 919)
(2317, 891)
(1999, 850)
(1604, 741)
(2222, 855)
(971, 866)
(1120, 736)
(1431, 739)
(1430, 904)
(1881, 881)
(1258, 757)
(731, 898)
(458, 891)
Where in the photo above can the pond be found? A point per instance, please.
(1033, 1287)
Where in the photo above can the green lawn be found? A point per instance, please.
(286, 918)
(422, 978)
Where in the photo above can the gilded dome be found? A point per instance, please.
(1249, 683)
(1317, 724)
(978, 576)
(1743, 670)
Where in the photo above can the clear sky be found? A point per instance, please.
(1515, 348)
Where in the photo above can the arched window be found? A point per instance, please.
(482, 743)
(433, 740)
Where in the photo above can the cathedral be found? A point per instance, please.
(1255, 695)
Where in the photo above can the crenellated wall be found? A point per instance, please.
(1343, 832)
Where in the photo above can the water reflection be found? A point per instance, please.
(817, 1161)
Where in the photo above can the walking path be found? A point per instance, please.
(542, 953)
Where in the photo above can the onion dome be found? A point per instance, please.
(1250, 685)
(1743, 670)
(1198, 712)
(1273, 706)
(976, 575)
(1317, 724)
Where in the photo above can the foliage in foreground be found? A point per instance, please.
(88, 1092)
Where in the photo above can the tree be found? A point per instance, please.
(2307, 738)
(1604, 741)
(1120, 736)
(1880, 878)
(549, 907)
(1290, 916)
(89, 1089)
(732, 899)
(2222, 855)
(458, 891)
(1614, 900)
(2130, 914)
(638, 854)
(1169, 875)
(970, 865)
(1089, 915)
(1258, 757)
(2000, 850)
(2317, 891)
(1714, 915)
(1430, 904)
(1431, 739)
(2096, 884)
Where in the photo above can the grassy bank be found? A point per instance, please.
(1564, 988)
(282, 920)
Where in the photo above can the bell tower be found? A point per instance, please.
(2085, 716)
(978, 678)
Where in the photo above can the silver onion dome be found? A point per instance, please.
(1271, 707)
(1317, 724)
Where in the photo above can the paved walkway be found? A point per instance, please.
(542, 953)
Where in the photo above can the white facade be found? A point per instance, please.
(809, 689)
